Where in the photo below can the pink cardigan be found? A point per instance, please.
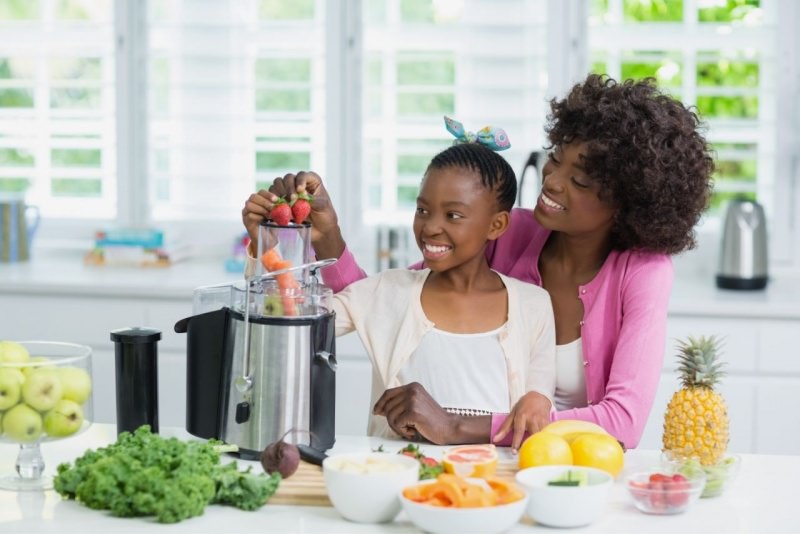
(623, 331)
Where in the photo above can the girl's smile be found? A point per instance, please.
(433, 251)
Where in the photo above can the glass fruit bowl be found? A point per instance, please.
(718, 477)
(657, 492)
(45, 395)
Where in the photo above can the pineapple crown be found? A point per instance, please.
(698, 361)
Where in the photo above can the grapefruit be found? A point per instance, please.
(570, 429)
(544, 448)
(478, 461)
(599, 450)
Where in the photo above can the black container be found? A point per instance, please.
(136, 352)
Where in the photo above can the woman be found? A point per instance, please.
(627, 179)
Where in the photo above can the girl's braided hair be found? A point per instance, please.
(495, 172)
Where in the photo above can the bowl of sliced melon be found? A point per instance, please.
(451, 504)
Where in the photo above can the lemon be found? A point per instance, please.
(544, 448)
(599, 450)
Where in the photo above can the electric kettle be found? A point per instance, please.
(743, 253)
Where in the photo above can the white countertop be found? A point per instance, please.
(760, 500)
(67, 275)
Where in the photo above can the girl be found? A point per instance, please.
(462, 339)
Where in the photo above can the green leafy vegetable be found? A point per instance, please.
(428, 467)
(144, 474)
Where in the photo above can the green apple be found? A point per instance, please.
(42, 390)
(39, 361)
(12, 352)
(76, 382)
(22, 424)
(10, 387)
(64, 419)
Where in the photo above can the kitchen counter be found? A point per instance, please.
(759, 500)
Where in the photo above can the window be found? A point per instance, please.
(725, 64)
(481, 62)
(57, 102)
(237, 97)
(171, 112)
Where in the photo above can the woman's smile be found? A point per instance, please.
(549, 204)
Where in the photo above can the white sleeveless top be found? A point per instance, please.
(464, 373)
(570, 377)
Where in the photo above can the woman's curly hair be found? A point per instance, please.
(646, 151)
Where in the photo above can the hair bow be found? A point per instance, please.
(494, 138)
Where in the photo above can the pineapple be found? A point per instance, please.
(696, 422)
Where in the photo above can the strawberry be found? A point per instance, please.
(281, 213)
(430, 462)
(301, 207)
(678, 491)
(658, 496)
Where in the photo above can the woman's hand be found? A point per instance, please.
(530, 414)
(411, 411)
(325, 233)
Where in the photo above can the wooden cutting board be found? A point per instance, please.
(306, 487)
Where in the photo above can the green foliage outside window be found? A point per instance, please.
(732, 11)
(728, 107)
(81, 68)
(74, 157)
(76, 187)
(15, 157)
(428, 71)
(727, 73)
(286, 9)
(407, 195)
(419, 11)
(75, 98)
(16, 98)
(19, 10)
(282, 161)
(426, 104)
(653, 10)
(720, 198)
(298, 100)
(81, 10)
(283, 70)
(14, 185)
(666, 71)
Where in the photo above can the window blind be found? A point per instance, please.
(57, 106)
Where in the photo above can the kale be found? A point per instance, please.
(144, 474)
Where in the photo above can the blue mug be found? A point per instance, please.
(18, 223)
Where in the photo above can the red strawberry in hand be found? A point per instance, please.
(301, 207)
(281, 213)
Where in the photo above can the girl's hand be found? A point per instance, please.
(325, 232)
(530, 414)
(411, 412)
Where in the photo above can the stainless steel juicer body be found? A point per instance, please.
(293, 371)
(261, 362)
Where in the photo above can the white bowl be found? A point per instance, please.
(565, 506)
(368, 497)
(485, 520)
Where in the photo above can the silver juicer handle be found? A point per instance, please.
(244, 383)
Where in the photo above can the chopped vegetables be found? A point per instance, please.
(453, 491)
(428, 467)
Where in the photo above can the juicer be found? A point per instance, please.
(261, 352)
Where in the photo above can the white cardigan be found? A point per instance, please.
(386, 311)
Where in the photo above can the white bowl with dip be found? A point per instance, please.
(364, 487)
